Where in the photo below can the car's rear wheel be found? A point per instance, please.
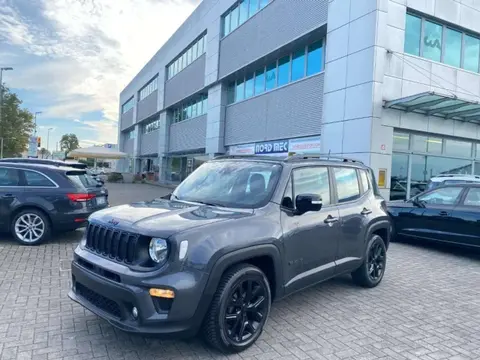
(239, 310)
(30, 227)
(371, 272)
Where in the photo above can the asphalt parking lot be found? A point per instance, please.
(427, 307)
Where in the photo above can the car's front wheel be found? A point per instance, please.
(239, 309)
(30, 227)
(371, 272)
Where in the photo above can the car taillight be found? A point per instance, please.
(80, 197)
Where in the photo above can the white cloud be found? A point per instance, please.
(87, 51)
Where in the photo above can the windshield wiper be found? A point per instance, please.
(208, 203)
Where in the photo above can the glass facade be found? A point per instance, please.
(190, 109)
(438, 42)
(417, 158)
(151, 86)
(128, 105)
(239, 13)
(189, 55)
(306, 61)
(151, 126)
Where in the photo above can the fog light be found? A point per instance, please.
(135, 312)
(162, 293)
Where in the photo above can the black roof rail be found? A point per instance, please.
(328, 157)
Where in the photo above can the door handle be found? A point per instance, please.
(366, 211)
(330, 219)
(443, 213)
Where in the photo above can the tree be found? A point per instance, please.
(69, 142)
(44, 153)
(16, 124)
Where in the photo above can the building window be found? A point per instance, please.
(190, 109)
(438, 42)
(130, 134)
(306, 61)
(128, 105)
(151, 126)
(148, 89)
(189, 55)
(239, 13)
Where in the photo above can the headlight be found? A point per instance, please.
(158, 250)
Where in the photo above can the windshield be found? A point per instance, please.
(241, 184)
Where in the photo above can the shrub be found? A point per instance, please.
(115, 177)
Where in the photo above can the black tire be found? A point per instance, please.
(217, 330)
(371, 272)
(40, 218)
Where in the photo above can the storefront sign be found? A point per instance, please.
(247, 149)
(305, 145)
(271, 147)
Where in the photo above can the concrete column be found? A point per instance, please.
(354, 68)
(163, 144)
(212, 51)
(217, 99)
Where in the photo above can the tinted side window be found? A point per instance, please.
(473, 197)
(364, 180)
(313, 180)
(347, 184)
(9, 177)
(33, 178)
(443, 196)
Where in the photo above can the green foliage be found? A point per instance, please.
(115, 177)
(45, 154)
(69, 142)
(16, 124)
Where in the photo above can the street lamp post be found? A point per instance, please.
(2, 69)
(36, 113)
(48, 136)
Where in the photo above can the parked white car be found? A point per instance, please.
(445, 179)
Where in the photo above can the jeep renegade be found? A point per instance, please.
(236, 234)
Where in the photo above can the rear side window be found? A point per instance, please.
(9, 177)
(347, 184)
(81, 180)
(364, 180)
(473, 197)
(33, 178)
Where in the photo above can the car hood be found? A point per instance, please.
(400, 203)
(163, 218)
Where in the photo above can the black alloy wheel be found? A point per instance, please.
(372, 270)
(376, 261)
(245, 311)
(239, 309)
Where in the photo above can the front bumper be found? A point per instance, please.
(112, 294)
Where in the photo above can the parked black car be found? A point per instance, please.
(449, 214)
(234, 235)
(36, 200)
(73, 164)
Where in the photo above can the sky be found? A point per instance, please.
(72, 58)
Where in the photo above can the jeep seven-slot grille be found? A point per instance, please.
(116, 244)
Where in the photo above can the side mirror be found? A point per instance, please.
(166, 197)
(308, 202)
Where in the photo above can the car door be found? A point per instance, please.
(436, 208)
(466, 219)
(354, 207)
(11, 194)
(310, 239)
(43, 191)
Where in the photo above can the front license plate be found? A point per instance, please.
(101, 200)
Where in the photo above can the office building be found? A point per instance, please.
(393, 83)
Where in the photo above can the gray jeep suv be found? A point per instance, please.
(237, 234)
